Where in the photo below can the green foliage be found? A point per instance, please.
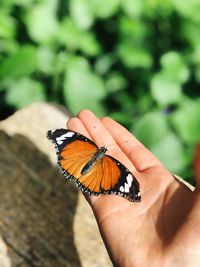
(137, 61)
(22, 63)
(81, 86)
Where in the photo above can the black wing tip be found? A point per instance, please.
(137, 199)
(49, 134)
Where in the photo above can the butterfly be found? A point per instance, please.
(93, 171)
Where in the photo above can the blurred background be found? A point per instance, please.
(136, 61)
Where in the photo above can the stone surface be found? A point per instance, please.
(44, 220)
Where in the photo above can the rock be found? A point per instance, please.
(44, 220)
(4, 259)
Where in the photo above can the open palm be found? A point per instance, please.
(164, 228)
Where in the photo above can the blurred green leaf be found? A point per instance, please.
(8, 46)
(124, 100)
(46, 60)
(69, 34)
(24, 91)
(186, 121)
(42, 22)
(88, 45)
(23, 62)
(144, 103)
(75, 39)
(190, 32)
(123, 118)
(174, 67)
(133, 56)
(24, 3)
(81, 13)
(103, 64)
(82, 88)
(189, 9)
(197, 73)
(133, 29)
(170, 152)
(165, 91)
(7, 26)
(115, 82)
(151, 128)
(132, 8)
(156, 8)
(104, 8)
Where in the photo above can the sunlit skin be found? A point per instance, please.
(164, 228)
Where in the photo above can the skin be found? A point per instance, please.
(164, 228)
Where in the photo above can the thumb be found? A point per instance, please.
(197, 165)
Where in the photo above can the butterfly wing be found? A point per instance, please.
(74, 151)
(123, 182)
(107, 176)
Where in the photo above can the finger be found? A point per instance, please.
(140, 156)
(102, 137)
(76, 125)
(197, 165)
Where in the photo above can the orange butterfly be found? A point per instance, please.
(93, 171)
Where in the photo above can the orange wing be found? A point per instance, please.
(102, 177)
(75, 155)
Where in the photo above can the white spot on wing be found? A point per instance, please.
(129, 179)
(121, 188)
(69, 134)
(126, 186)
(61, 138)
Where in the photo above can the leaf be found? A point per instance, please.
(190, 32)
(88, 44)
(186, 121)
(73, 38)
(133, 56)
(82, 88)
(123, 118)
(104, 8)
(189, 9)
(151, 128)
(115, 82)
(169, 151)
(132, 8)
(174, 67)
(133, 29)
(42, 22)
(7, 26)
(23, 92)
(46, 60)
(103, 64)
(69, 34)
(165, 91)
(81, 13)
(23, 62)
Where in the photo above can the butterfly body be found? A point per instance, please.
(94, 172)
(97, 156)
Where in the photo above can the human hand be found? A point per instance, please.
(164, 228)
